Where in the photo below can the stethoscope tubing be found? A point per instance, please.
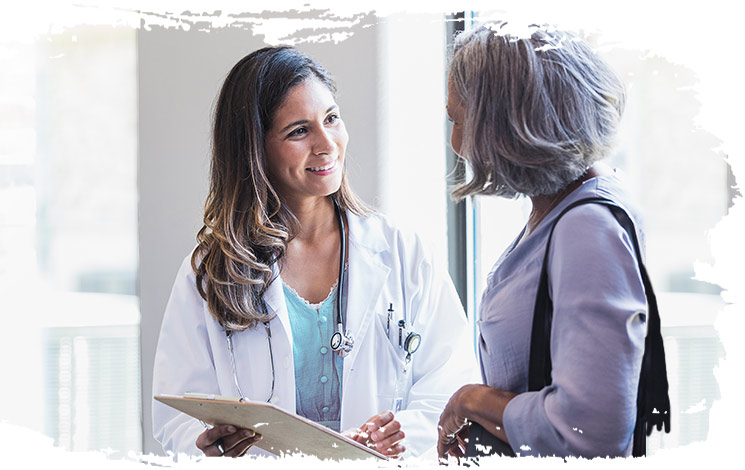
(229, 339)
(340, 318)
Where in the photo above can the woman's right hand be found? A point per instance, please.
(226, 440)
(382, 432)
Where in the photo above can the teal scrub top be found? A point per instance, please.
(318, 370)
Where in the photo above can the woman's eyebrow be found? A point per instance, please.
(292, 124)
(304, 121)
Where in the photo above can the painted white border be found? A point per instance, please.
(703, 38)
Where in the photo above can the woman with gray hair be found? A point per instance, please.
(532, 116)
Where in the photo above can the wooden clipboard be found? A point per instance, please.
(282, 432)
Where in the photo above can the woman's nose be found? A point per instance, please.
(324, 143)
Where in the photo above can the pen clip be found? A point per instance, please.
(390, 315)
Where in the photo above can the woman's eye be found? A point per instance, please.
(331, 118)
(298, 132)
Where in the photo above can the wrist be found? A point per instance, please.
(483, 404)
(469, 402)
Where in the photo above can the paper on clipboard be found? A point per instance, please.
(282, 432)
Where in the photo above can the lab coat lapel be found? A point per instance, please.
(275, 303)
(284, 393)
(366, 278)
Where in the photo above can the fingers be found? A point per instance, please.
(226, 440)
(357, 435)
(380, 426)
(207, 441)
(443, 448)
(238, 443)
(378, 421)
(452, 444)
(387, 436)
(362, 437)
(454, 449)
(395, 451)
(450, 424)
(383, 433)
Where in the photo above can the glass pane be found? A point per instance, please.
(68, 237)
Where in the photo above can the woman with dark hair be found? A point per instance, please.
(297, 294)
(532, 116)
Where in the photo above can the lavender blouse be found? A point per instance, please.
(597, 337)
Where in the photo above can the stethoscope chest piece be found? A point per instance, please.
(411, 344)
(341, 343)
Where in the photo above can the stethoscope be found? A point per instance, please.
(341, 341)
(413, 340)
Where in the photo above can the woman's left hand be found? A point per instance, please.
(474, 402)
(382, 433)
(453, 428)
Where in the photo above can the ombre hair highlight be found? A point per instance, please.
(247, 227)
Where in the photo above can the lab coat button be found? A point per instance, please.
(324, 350)
(324, 379)
(325, 409)
(323, 319)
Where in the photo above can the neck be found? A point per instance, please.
(544, 203)
(316, 217)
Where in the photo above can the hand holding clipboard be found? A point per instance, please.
(281, 432)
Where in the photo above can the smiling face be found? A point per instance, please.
(456, 111)
(306, 144)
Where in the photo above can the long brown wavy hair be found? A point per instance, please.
(246, 226)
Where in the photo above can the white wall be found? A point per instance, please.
(411, 64)
(390, 78)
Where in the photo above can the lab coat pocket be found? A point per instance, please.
(390, 365)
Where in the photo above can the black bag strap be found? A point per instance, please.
(653, 402)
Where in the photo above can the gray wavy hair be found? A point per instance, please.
(539, 110)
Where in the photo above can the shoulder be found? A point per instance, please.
(586, 220)
(592, 221)
(376, 231)
(590, 243)
(378, 235)
(185, 306)
(186, 269)
(185, 280)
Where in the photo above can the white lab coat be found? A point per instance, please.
(385, 266)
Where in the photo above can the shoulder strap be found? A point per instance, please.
(653, 402)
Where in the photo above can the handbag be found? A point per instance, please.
(481, 442)
(653, 402)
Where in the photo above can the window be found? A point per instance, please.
(68, 237)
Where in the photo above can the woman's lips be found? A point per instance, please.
(322, 170)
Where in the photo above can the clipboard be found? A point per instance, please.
(282, 432)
